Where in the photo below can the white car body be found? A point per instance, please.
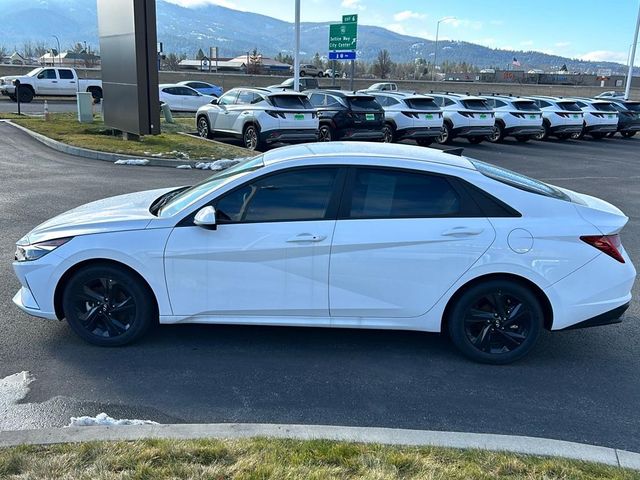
(515, 116)
(410, 116)
(51, 81)
(279, 116)
(181, 98)
(387, 273)
(561, 117)
(599, 116)
(384, 87)
(465, 116)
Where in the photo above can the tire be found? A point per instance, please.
(96, 93)
(118, 308)
(627, 134)
(598, 136)
(475, 140)
(26, 95)
(13, 98)
(320, 75)
(325, 134)
(578, 136)
(445, 137)
(388, 134)
(523, 138)
(204, 129)
(498, 134)
(496, 322)
(251, 137)
(612, 134)
(544, 134)
(302, 73)
(424, 142)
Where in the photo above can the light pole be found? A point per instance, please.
(296, 53)
(54, 58)
(632, 58)
(435, 54)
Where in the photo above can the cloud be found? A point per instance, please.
(605, 56)
(199, 3)
(408, 14)
(397, 27)
(463, 22)
(354, 4)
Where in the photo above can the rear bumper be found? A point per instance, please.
(629, 127)
(478, 131)
(605, 128)
(360, 134)
(416, 133)
(289, 136)
(566, 129)
(523, 130)
(606, 318)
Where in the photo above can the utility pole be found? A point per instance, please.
(296, 53)
(632, 58)
(59, 52)
(435, 53)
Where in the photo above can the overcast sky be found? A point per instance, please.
(588, 29)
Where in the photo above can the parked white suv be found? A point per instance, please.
(260, 117)
(600, 118)
(409, 116)
(560, 117)
(464, 116)
(308, 70)
(515, 117)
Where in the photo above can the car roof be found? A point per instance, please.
(366, 149)
(340, 93)
(457, 96)
(185, 82)
(508, 98)
(269, 91)
(589, 100)
(397, 94)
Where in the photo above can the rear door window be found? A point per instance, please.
(291, 101)
(569, 106)
(65, 74)
(363, 103)
(604, 107)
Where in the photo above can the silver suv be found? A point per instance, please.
(464, 116)
(515, 117)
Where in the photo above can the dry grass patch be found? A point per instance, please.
(261, 458)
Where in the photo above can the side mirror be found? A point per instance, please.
(206, 218)
(214, 101)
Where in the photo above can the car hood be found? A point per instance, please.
(114, 214)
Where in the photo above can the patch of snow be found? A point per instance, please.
(157, 154)
(184, 167)
(104, 419)
(13, 389)
(132, 162)
(217, 165)
(178, 154)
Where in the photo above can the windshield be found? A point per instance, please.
(518, 180)
(34, 72)
(190, 195)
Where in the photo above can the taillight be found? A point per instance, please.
(411, 114)
(609, 244)
(466, 114)
(275, 114)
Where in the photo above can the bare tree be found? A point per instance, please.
(77, 47)
(40, 48)
(27, 49)
(3, 52)
(383, 64)
(255, 62)
(172, 61)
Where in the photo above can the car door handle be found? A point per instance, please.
(462, 232)
(54, 81)
(306, 237)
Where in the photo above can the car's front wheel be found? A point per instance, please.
(388, 134)
(497, 322)
(446, 135)
(251, 137)
(204, 130)
(107, 305)
(325, 134)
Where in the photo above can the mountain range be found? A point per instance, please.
(185, 30)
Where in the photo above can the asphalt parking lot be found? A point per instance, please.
(55, 105)
(581, 385)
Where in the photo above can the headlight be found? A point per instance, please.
(27, 253)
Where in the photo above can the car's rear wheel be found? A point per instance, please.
(498, 134)
(204, 130)
(108, 306)
(627, 134)
(388, 134)
(544, 134)
(475, 140)
(579, 135)
(496, 322)
(325, 134)
(445, 137)
(251, 137)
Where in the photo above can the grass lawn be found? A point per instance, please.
(261, 458)
(65, 128)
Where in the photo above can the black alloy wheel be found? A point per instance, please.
(325, 134)
(496, 322)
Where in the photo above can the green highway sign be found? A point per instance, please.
(350, 18)
(343, 36)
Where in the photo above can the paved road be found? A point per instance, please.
(55, 105)
(579, 385)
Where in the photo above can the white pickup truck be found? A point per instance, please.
(49, 81)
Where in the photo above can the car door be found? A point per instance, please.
(269, 255)
(402, 239)
(170, 96)
(47, 82)
(241, 108)
(219, 116)
(190, 99)
(67, 83)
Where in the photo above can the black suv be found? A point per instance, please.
(628, 116)
(347, 115)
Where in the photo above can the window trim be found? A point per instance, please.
(470, 207)
(330, 214)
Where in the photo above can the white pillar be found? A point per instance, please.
(627, 90)
(296, 54)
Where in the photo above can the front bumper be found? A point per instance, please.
(523, 130)
(25, 301)
(417, 133)
(479, 131)
(289, 136)
(7, 90)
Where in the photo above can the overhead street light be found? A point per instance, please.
(435, 55)
(54, 58)
(632, 58)
(296, 53)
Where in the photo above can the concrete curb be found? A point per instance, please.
(96, 155)
(390, 436)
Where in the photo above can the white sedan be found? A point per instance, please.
(181, 98)
(337, 235)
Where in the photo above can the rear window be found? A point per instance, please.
(604, 107)
(569, 106)
(363, 103)
(519, 181)
(633, 106)
(422, 104)
(529, 106)
(290, 101)
(475, 105)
